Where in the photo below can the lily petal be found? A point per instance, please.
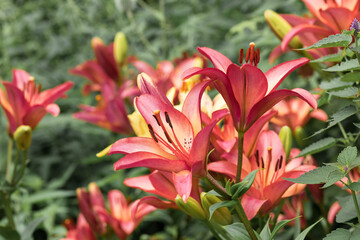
(183, 183)
(251, 205)
(219, 60)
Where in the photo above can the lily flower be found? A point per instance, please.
(269, 186)
(327, 18)
(25, 104)
(80, 231)
(178, 143)
(248, 92)
(294, 112)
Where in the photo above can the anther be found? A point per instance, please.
(276, 165)
(247, 55)
(151, 130)
(168, 119)
(157, 116)
(281, 160)
(262, 162)
(241, 56)
(257, 158)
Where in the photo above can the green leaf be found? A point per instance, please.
(316, 176)
(338, 40)
(48, 195)
(334, 177)
(335, 83)
(265, 232)
(307, 230)
(355, 235)
(352, 64)
(347, 156)
(26, 234)
(335, 57)
(351, 77)
(337, 234)
(237, 190)
(279, 226)
(7, 233)
(237, 231)
(218, 205)
(355, 186)
(318, 146)
(347, 211)
(350, 92)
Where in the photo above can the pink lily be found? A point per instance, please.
(178, 145)
(80, 231)
(247, 91)
(293, 207)
(25, 104)
(269, 186)
(293, 112)
(328, 18)
(110, 112)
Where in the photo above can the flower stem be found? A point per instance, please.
(241, 213)
(343, 133)
(7, 207)
(240, 156)
(9, 158)
(353, 197)
(15, 166)
(23, 166)
(217, 186)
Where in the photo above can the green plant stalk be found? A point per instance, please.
(277, 213)
(213, 231)
(7, 207)
(240, 156)
(217, 186)
(163, 28)
(344, 133)
(241, 213)
(353, 197)
(15, 166)
(23, 167)
(9, 158)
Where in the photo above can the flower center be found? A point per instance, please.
(251, 56)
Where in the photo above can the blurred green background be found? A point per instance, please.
(47, 37)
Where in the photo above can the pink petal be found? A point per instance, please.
(270, 100)
(334, 209)
(147, 86)
(20, 78)
(17, 101)
(155, 183)
(251, 205)
(277, 74)
(183, 183)
(92, 71)
(176, 75)
(53, 109)
(144, 67)
(192, 105)
(51, 95)
(319, 114)
(219, 60)
(34, 116)
(118, 204)
(337, 18)
(150, 160)
(224, 167)
(303, 28)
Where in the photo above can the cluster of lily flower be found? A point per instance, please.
(176, 123)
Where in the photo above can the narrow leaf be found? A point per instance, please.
(218, 205)
(307, 230)
(28, 231)
(318, 146)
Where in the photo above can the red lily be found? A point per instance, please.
(80, 231)
(293, 112)
(248, 92)
(292, 208)
(110, 112)
(269, 186)
(25, 104)
(178, 144)
(328, 18)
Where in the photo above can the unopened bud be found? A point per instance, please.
(22, 137)
(286, 139)
(120, 48)
(221, 215)
(191, 207)
(300, 136)
(281, 27)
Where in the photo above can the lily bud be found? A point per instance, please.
(221, 215)
(191, 207)
(286, 139)
(281, 27)
(120, 48)
(300, 136)
(22, 137)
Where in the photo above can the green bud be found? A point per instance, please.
(120, 48)
(221, 215)
(286, 139)
(300, 136)
(22, 137)
(281, 27)
(191, 207)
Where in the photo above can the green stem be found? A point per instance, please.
(9, 158)
(240, 156)
(217, 186)
(356, 205)
(277, 213)
(163, 28)
(344, 133)
(213, 231)
(241, 213)
(23, 167)
(15, 166)
(7, 207)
